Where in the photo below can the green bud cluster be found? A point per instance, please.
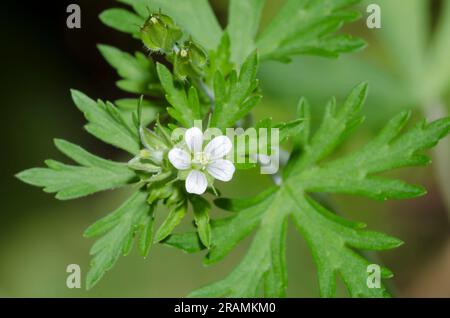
(190, 60)
(154, 170)
(150, 163)
(161, 34)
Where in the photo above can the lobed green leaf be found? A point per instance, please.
(138, 72)
(235, 96)
(118, 230)
(308, 27)
(70, 182)
(185, 106)
(335, 243)
(106, 123)
(244, 18)
(122, 20)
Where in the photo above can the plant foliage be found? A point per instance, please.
(210, 74)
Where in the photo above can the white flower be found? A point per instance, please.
(201, 162)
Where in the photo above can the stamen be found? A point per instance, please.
(184, 53)
(201, 158)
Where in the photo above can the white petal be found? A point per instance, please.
(194, 139)
(180, 159)
(222, 170)
(218, 147)
(196, 182)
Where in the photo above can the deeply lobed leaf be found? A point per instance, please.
(138, 72)
(106, 123)
(308, 27)
(185, 106)
(334, 241)
(235, 96)
(119, 229)
(69, 182)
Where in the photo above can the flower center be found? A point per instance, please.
(184, 53)
(201, 159)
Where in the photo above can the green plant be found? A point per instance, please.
(404, 72)
(209, 75)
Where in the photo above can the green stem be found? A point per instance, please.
(441, 153)
(208, 92)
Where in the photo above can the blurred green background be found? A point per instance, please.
(42, 60)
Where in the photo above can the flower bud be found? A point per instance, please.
(176, 197)
(159, 192)
(190, 61)
(160, 33)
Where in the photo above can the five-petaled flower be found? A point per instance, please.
(200, 163)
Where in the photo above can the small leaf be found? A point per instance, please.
(129, 106)
(146, 233)
(201, 209)
(106, 123)
(305, 27)
(185, 107)
(235, 97)
(70, 182)
(138, 72)
(118, 229)
(334, 126)
(122, 20)
(187, 242)
(176, 214)
(353, 174)
(220, 59)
